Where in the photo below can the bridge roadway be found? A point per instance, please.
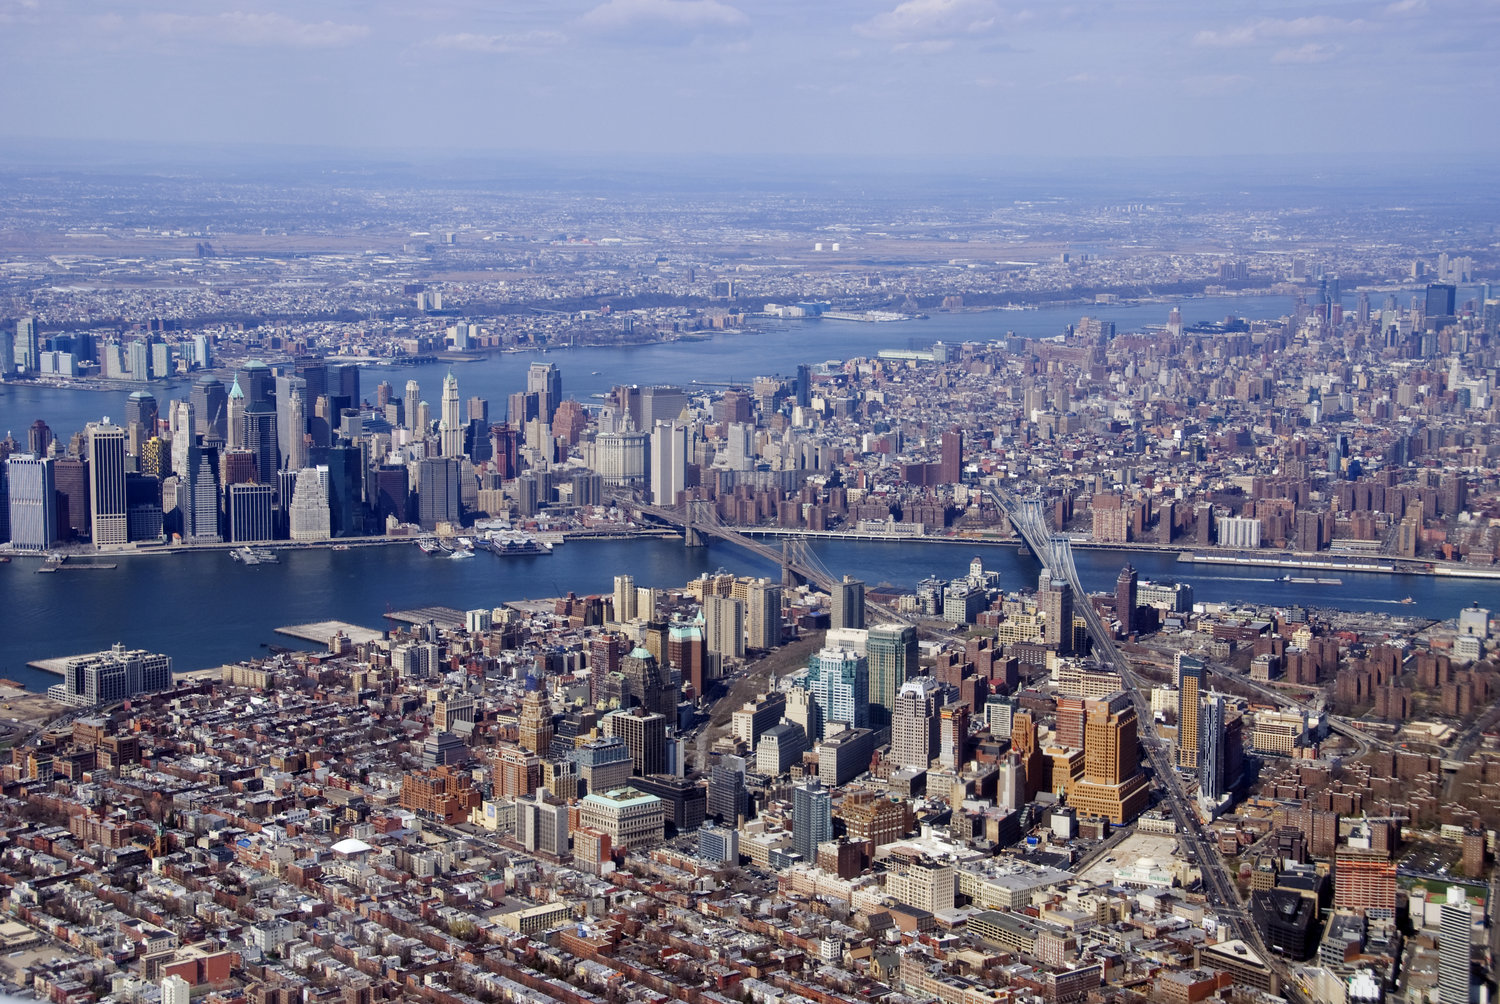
(1055, 551)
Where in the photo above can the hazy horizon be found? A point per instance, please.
(972, 83)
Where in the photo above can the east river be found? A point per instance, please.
(204, 609)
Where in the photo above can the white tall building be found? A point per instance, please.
(294, 435)
(33, 506)
(107, 483)
(625, 598)
(451, 424)
(309, 514)
(1455, 948)
(182, 422)
(236, 434)
(413, 398)
(669, 458)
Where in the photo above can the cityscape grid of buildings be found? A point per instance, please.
(757, 790)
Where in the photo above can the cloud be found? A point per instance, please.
(1269, 29)
(525, 41)
(260, 29)
(921, 22)
(1407, 7)
(1310, 52)
(664, 21)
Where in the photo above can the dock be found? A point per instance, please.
(57, 667)
(318, 632)
(444, 617)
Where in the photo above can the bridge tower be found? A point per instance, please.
(696, 513)
(791, 552)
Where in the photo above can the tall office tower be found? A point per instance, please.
(7, 353)
(477, 409)
(291, 427)
(728, 801)
(108, 509)
(260, 439)
(1455, 949)
(645, 735)
(669, 459)
(438, 499)
(838, 680)
(649, 686)
(258, 383)
(541, 826)
(535, 725)
(1362, 310)
(141, 410)
(1213, 769)
(544, 380)
(1190, 680)
(451, 424)
(891, 650)
(951, 468)
(914, 723)
(624, 600)
(181, 422)
(1112, 784)
(33, 503)
(346, 386)
(70, 482)
(724, 627)
(1056, 602)
(198, 496)
(848, 604)
(325, 416)
(210, 408)
(309, 520)
(345, 491)
(252, 513)
(661, 404)
(804, 385)
(812, 818)
(762, 614)
(25, 353)
(38, 438)
(413, 397)
(313, 370)
(1125, 600)
(1440, 300)
(234, 408)
(953, 736)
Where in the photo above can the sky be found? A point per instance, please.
(982, 81)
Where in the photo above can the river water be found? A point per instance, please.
(204, 609)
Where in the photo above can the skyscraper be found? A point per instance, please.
(210, 408)
(952, 463)
(451, 424)
(848, 604)
(728, 800)
(413, 396)
(251, 512)
(1055, 598)
(109, 511)
(724, 627)
(198, 496)
(1455, 949)
(1440, 303)
(235, 409)
(669, 457)
(346, 507)
(645, 735)
(1125, 600)
(914, 723)
(309, 509)
(291, 426)
(762, 614)
(544, 380)
(1190, 674)
(812, 818)
(891, 650)
(260, 439)
(1112, 784)
(33, 506)
(184, 434)
(438, 492)
(1213, 769)
(838, 680)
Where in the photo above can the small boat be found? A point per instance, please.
(1408, 600)
(461, 554)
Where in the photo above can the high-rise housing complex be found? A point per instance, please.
(838, 680)
(812, 818)
(1190, 673)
